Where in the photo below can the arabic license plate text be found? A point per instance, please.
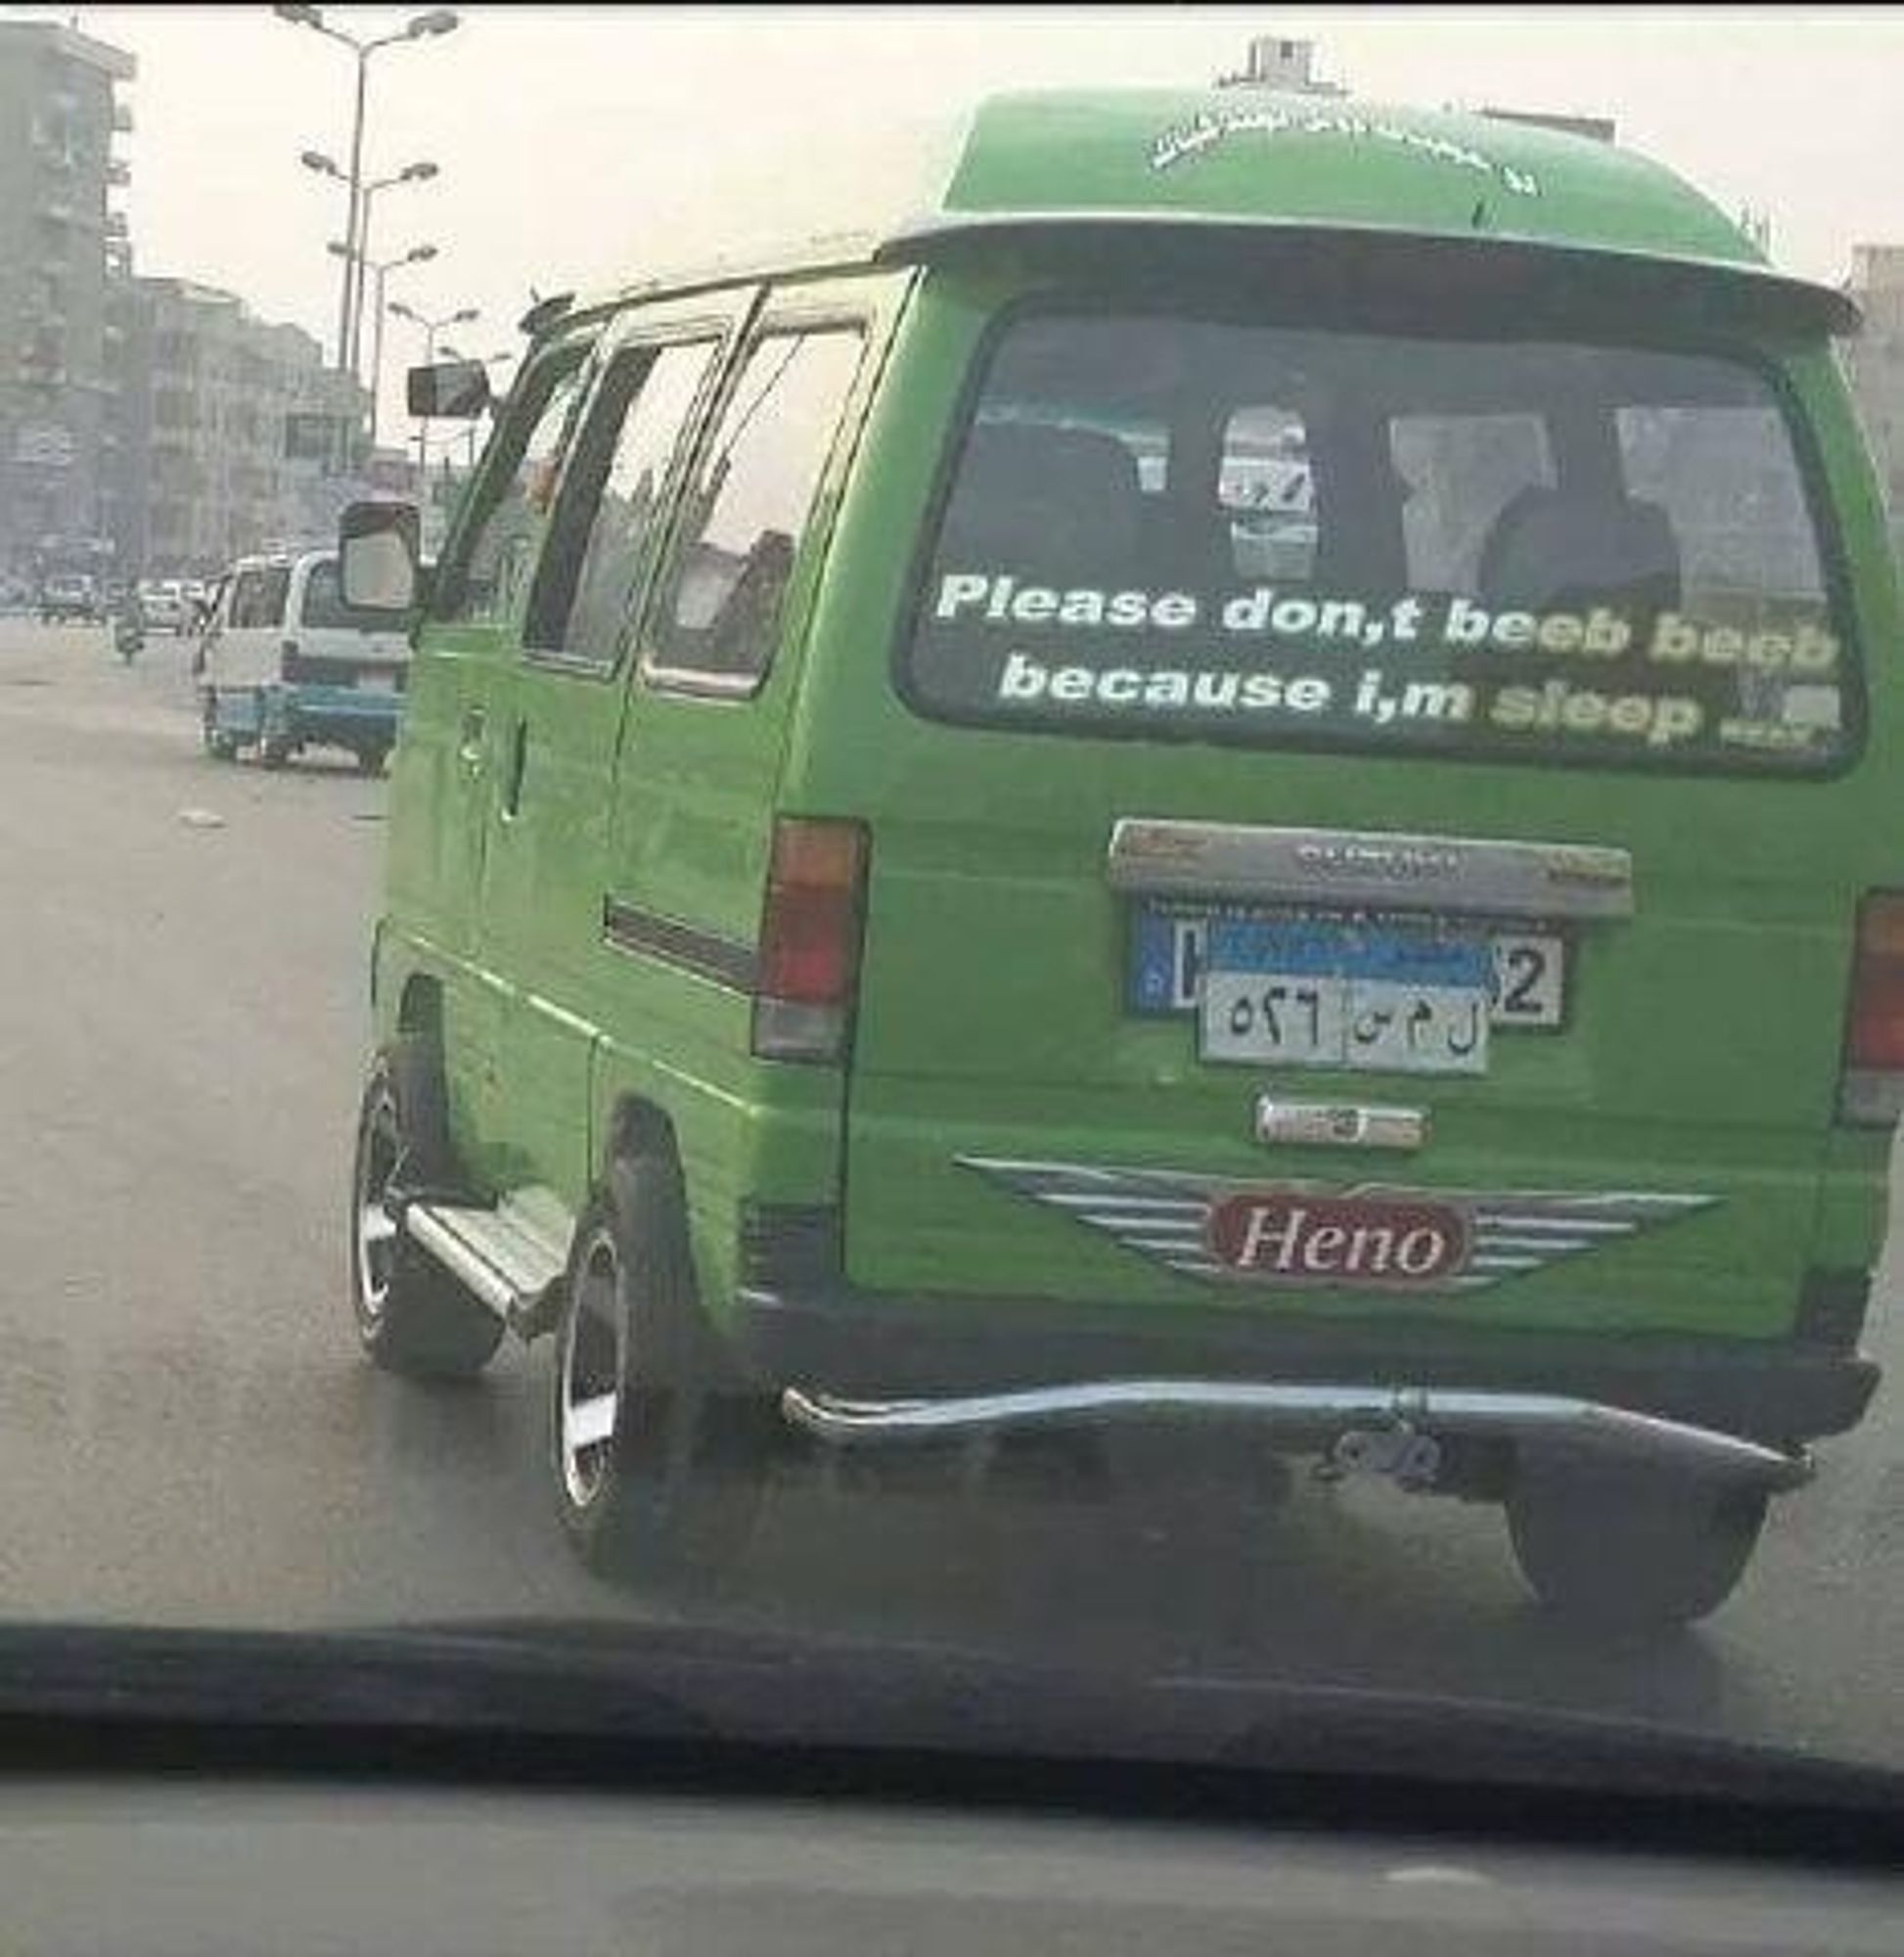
(1332, 995)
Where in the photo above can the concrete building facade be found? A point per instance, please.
(211, 459)
(1874, 363)
(63, 254)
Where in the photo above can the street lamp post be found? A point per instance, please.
(380, 270)
(463, 316)
(439, 20)
(410, 174)
(351, 357)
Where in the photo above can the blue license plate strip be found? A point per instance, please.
(1172, 944)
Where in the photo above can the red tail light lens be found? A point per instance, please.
(809, 959)
(1871, 1090)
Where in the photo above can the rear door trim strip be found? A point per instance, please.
(648, 934)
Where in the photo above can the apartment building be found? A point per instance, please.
(64, 257)
(1875, 364)
(216, 459)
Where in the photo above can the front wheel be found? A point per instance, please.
(412, 1316)
(1629, 1549)
(659, 1464)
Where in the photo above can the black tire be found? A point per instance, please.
(670, 1494)
(371, 761)
(220, 746)
(1630, 1549)
(273, 751)
(411, 1315)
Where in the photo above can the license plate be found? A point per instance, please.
(1175, 956)
(1367, 997)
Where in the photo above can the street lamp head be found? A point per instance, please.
(316, 159)
(464, 317)
(416, 173)
(403, 311)
(300, 16)
(339, 249)
(439, 20)
(418, 254)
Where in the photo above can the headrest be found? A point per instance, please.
(1556, 550)
(1060, 503)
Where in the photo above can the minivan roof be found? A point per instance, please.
(1055, 163)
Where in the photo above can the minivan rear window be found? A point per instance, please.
(1175, 527)
(325, 609)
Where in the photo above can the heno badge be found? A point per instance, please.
(1297, 1238)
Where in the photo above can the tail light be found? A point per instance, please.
(1871, 1089)
(807, 968)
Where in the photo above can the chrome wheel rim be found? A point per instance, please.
(374, 1228)
(588, 1398)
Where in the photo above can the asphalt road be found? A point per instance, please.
(187, 1435)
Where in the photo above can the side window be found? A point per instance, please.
(743, 521)
(1457, 474)
(1265, 488)
(1729, 483)
(484, 583)
(610, 517)
(258, 597)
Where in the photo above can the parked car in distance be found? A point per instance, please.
(166, 606)
(67, 598)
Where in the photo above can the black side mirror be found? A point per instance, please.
(452, 391)
(379, 545)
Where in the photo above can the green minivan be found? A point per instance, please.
(1245, 779)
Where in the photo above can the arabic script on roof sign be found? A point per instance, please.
(1205, 129)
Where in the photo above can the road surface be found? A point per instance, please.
(187, 1435)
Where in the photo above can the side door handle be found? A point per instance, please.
(519, 760)
(470, 743)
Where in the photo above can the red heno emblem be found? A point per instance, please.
(1361, 1239)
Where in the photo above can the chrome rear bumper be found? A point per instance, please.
(1320, 1414)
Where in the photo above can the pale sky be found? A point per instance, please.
(567, 135)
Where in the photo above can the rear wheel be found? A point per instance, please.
(274, 751)
(412, 1316)
(659, 1460)
(1631, 1549)
(219, 745)
(371, 761)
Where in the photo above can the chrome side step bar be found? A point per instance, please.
(508, 1259)
(1327, 1415)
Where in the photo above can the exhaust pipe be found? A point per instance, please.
(1320, 1414)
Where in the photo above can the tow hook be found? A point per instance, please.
(1400, 1453)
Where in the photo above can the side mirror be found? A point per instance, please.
(452, 391)
(378, 549)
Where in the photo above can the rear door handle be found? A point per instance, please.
(470, 747)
